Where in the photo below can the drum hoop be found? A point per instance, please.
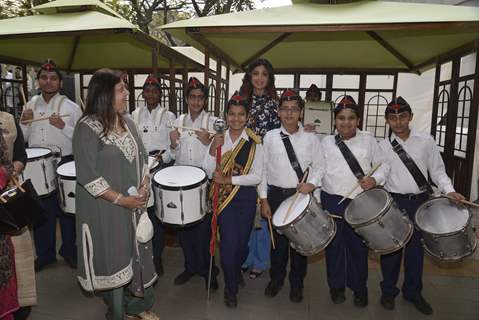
(322, 247)
(441, 235)
(45, 156)
(70, 178)
(393, 249)
(178, 188)
(299, 217)
(374, 219)
(447, 259)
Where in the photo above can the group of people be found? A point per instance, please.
(267, 155)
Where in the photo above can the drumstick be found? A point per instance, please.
(44, 118)
(294, 199)
(82, 105)
(23, 95)
(171, 125)
(472, 204)
(157, 159)
(370, 173)
(271, 233)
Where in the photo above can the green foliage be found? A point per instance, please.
(18, 8)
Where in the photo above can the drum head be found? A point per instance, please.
(441, 216)
(179, 177)
(67, 169)
(33, 153)
(367, 206)
(301, 203)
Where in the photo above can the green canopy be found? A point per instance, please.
(360, 36)
(84, 35)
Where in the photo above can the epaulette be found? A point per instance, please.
(253, 136)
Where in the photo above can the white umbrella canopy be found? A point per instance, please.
(371, 36)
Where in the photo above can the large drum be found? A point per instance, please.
(374, 215)
(446, 229)
(67, 179)
(40, 169)
(180, 194)
(308, 227)
(153, 165)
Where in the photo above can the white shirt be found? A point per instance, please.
(423, 150)
(254, 175)
(338, 178)
(153, 129)
(277, 167)
(43, 134)
(190, 150)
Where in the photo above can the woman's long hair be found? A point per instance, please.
(101, 97)
(247, 86)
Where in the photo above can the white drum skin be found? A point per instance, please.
(180, 195)
(66, 186)
(41, 170)
(308, 227)
(153, 165)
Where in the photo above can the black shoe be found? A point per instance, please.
(337, 295)
(241, 282)
(183, 278)
(22, 313)
(230, 300)
(421, 305)
(213, 283)
(387, 302)
(272, 289)
(360, 300)
(296, 295)
(39, 266)
(244, 269)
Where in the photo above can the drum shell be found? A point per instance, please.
(311, 231)
(66, 186)
(450, 246)
(41, 170)
(388, 231)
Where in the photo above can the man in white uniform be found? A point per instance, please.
(54, 133)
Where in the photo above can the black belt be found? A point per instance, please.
(410, 196)
(285, 191)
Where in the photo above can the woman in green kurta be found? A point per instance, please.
(110, 159)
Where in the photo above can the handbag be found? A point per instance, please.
(20, 206)
(144, 228)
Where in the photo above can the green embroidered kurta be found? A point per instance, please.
(108, 254)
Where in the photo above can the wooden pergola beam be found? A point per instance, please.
(391, 49)
(339, 27)
(265, 49)
(201, 39)
(358, 71)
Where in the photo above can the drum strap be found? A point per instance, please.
(411, 166)
(349, 157)
(293, 160)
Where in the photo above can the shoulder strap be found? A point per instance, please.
(205, 121)
(32, 103)
(57, 103)
(159, 115)
(182, 120)
(293, 160)
(349, 157)
(136, 115)
(411, 166)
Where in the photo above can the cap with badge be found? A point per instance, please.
(291, 95)
(152, 81)
(194, 83)
(347, 102)
(398, 105)
(238, 99)
(49, 66)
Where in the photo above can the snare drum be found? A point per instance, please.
(374, 215)
(308, 227)
(66, 185)
(446, 229)
(40, 169)
(180, 194)
(153, 165)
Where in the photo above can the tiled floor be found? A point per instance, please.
(452, 297)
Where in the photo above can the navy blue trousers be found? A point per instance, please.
(283, 251)
(346, 255)
(44, 234)
(235, 225)
(413, 257)
(195, 242)
(158, 240)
